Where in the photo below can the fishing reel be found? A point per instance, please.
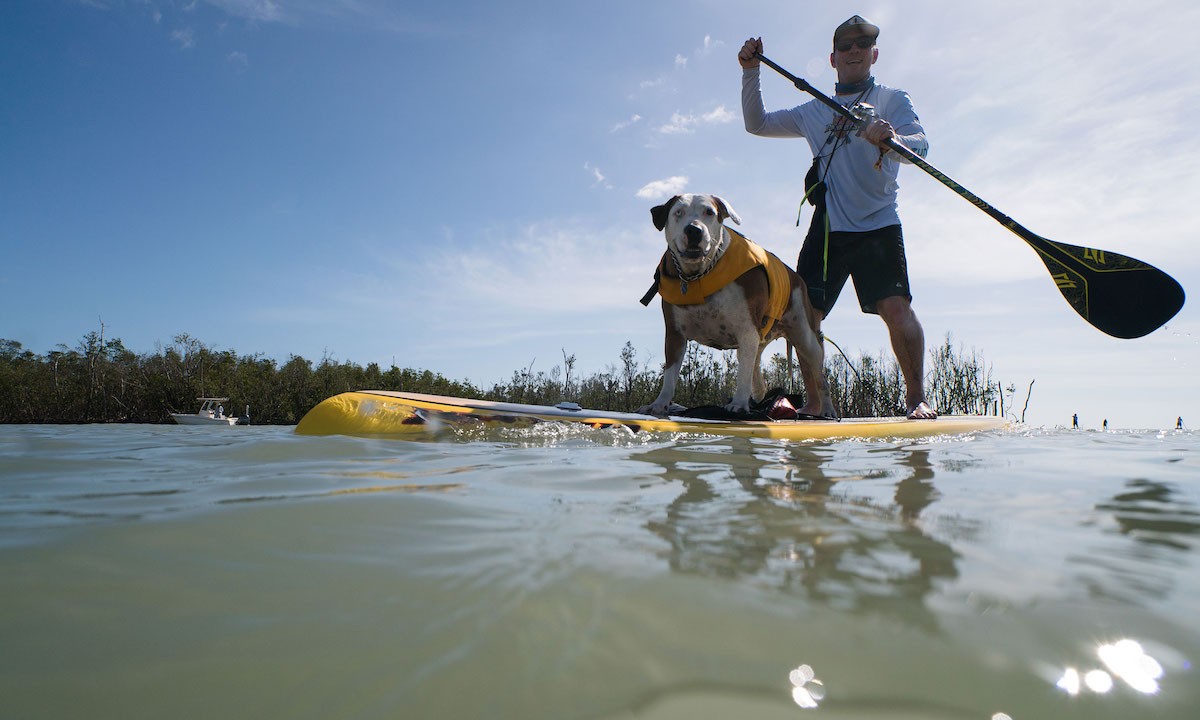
(864, 112)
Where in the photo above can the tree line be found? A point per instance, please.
(100, 380)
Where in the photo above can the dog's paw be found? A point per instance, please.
(742, 408)
(656, 409)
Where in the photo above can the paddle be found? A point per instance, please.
(1118, 295)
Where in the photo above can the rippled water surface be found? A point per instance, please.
(176, 572)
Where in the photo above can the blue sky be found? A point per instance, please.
(465, 186)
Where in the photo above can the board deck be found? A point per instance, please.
(384, 412)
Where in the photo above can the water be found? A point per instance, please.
(155, 571)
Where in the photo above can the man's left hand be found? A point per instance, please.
(878, 132)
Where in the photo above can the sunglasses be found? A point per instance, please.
(862, 43)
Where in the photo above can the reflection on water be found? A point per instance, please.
(1161, 522)
(1155, 512)
(556, 573)
(807, 690)
(789, 519)
(1125, 659)
(808, 521)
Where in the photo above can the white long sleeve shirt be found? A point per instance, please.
(859, 196)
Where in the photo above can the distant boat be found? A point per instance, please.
(211, 412)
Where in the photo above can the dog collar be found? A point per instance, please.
(684, 278)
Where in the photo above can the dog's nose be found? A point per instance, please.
(694, 234)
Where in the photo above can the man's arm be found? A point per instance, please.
(781, 123)
(900, 125)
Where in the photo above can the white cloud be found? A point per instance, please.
(238, 60)
(600, 180)
(185, 37)
(710, 44)
(679, 124)
(265, 10)
(718, 116)
(622, 125)
(682, 124)
(660, 189)
(577, 264)
(680, 62)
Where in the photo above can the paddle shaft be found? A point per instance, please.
(1118, 295)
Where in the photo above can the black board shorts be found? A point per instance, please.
(875, 259)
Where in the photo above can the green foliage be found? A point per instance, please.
(100, 380)
(869, 387)
(958, 384)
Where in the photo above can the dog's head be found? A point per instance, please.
(692, 224)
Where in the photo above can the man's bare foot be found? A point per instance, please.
(922, 412)
(814, 410)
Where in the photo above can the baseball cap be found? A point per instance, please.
(856, 25)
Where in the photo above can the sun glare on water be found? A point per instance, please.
(1124, 659)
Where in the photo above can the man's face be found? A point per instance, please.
(853, 56)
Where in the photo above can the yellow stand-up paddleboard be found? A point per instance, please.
(381, 412)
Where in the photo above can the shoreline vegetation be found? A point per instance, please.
(100, 381)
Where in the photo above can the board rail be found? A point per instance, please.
(393, 413)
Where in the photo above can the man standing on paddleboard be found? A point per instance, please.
(855, 231)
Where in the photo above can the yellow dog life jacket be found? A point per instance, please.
(741, 255)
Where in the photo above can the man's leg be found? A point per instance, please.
(908, 342)
(812, 403)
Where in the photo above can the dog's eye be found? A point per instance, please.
(709, 211)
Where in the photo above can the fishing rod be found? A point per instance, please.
(1118, 295)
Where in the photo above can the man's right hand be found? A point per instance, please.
(746, 57)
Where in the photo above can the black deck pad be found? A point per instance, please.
(758, 410)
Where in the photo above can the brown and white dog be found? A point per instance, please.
(733, 316)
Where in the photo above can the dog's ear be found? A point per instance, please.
(725, 211)
(660, 212)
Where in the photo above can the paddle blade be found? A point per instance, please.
(1120, 296)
